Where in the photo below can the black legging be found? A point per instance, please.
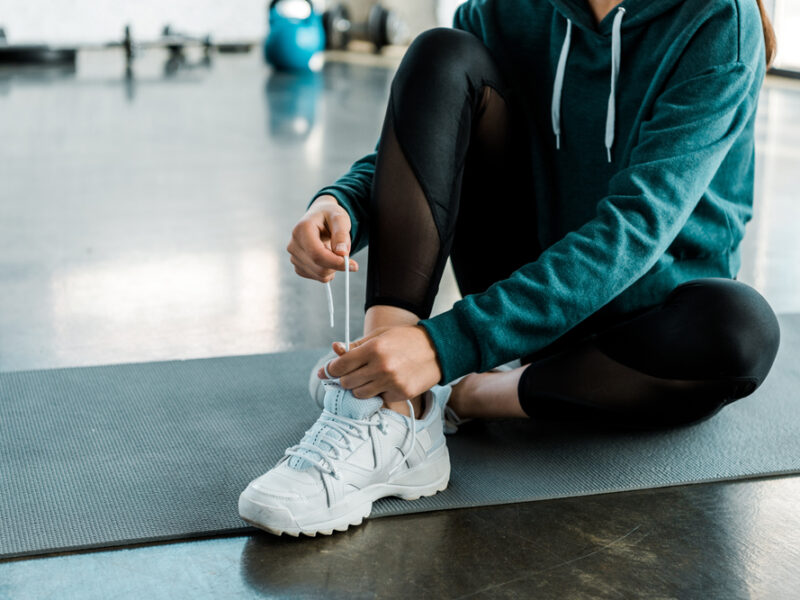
(451, 180)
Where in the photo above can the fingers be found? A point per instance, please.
(307, 245)
(358, 359)
(305, 262)
(310, 253)
(395, 363)
(361, 341)
(338, 223)
(341, 350)
(305, 266)
(368, 390)
(347, 363)
(363, 382)
(318, 252)
(359, 371)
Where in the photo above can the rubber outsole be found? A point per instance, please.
(312, 532)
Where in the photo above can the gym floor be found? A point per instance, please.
(146, 218)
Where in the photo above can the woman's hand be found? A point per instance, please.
(320, 240)
(396, 363)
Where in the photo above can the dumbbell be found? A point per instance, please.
(175, 42)
(35, 54)
(382, 27)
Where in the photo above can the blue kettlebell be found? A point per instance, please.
(296, 36)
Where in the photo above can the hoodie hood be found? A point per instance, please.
(636, 13)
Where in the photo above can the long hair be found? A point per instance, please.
(770, 42)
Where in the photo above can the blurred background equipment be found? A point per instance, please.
(382, 27)
(292, 100)
(32, 54)
(80, 24)
(174, 42)
(296, 36)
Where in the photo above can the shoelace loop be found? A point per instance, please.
(344, 426)
(293, 451)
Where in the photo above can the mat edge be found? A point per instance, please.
(247, 530)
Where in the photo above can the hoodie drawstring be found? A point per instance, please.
(558, 84)
(616, 48)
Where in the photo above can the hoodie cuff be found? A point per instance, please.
(456, 347)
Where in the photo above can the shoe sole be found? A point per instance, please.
(257, 514)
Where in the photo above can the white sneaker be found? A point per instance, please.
(354, 454)
(315, 387)
(452, 421)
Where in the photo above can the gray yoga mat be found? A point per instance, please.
(103, 456)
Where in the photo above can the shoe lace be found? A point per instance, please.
(348, 429)
(346, 301)
(331, 420)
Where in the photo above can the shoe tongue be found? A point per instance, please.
(341, 402)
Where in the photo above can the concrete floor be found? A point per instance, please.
(146, 219)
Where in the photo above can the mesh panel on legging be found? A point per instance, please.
(408, 251)
(404, 242)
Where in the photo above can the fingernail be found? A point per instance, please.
(341, 247)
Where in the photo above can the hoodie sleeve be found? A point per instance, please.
(352, 192)
(679, 150)
(467, 18)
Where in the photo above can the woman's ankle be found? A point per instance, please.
(487, 396)
(460, 395)
(417, 402)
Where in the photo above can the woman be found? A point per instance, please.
(588, 167)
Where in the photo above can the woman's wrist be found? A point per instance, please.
(324, 199)
(433, 353)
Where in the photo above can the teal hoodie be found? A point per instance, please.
(645, 186)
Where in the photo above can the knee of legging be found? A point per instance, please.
(443, 59)
(742, 324)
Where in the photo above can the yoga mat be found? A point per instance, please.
(103, 456)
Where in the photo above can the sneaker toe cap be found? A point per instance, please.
(286, 484)
(258, 510)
